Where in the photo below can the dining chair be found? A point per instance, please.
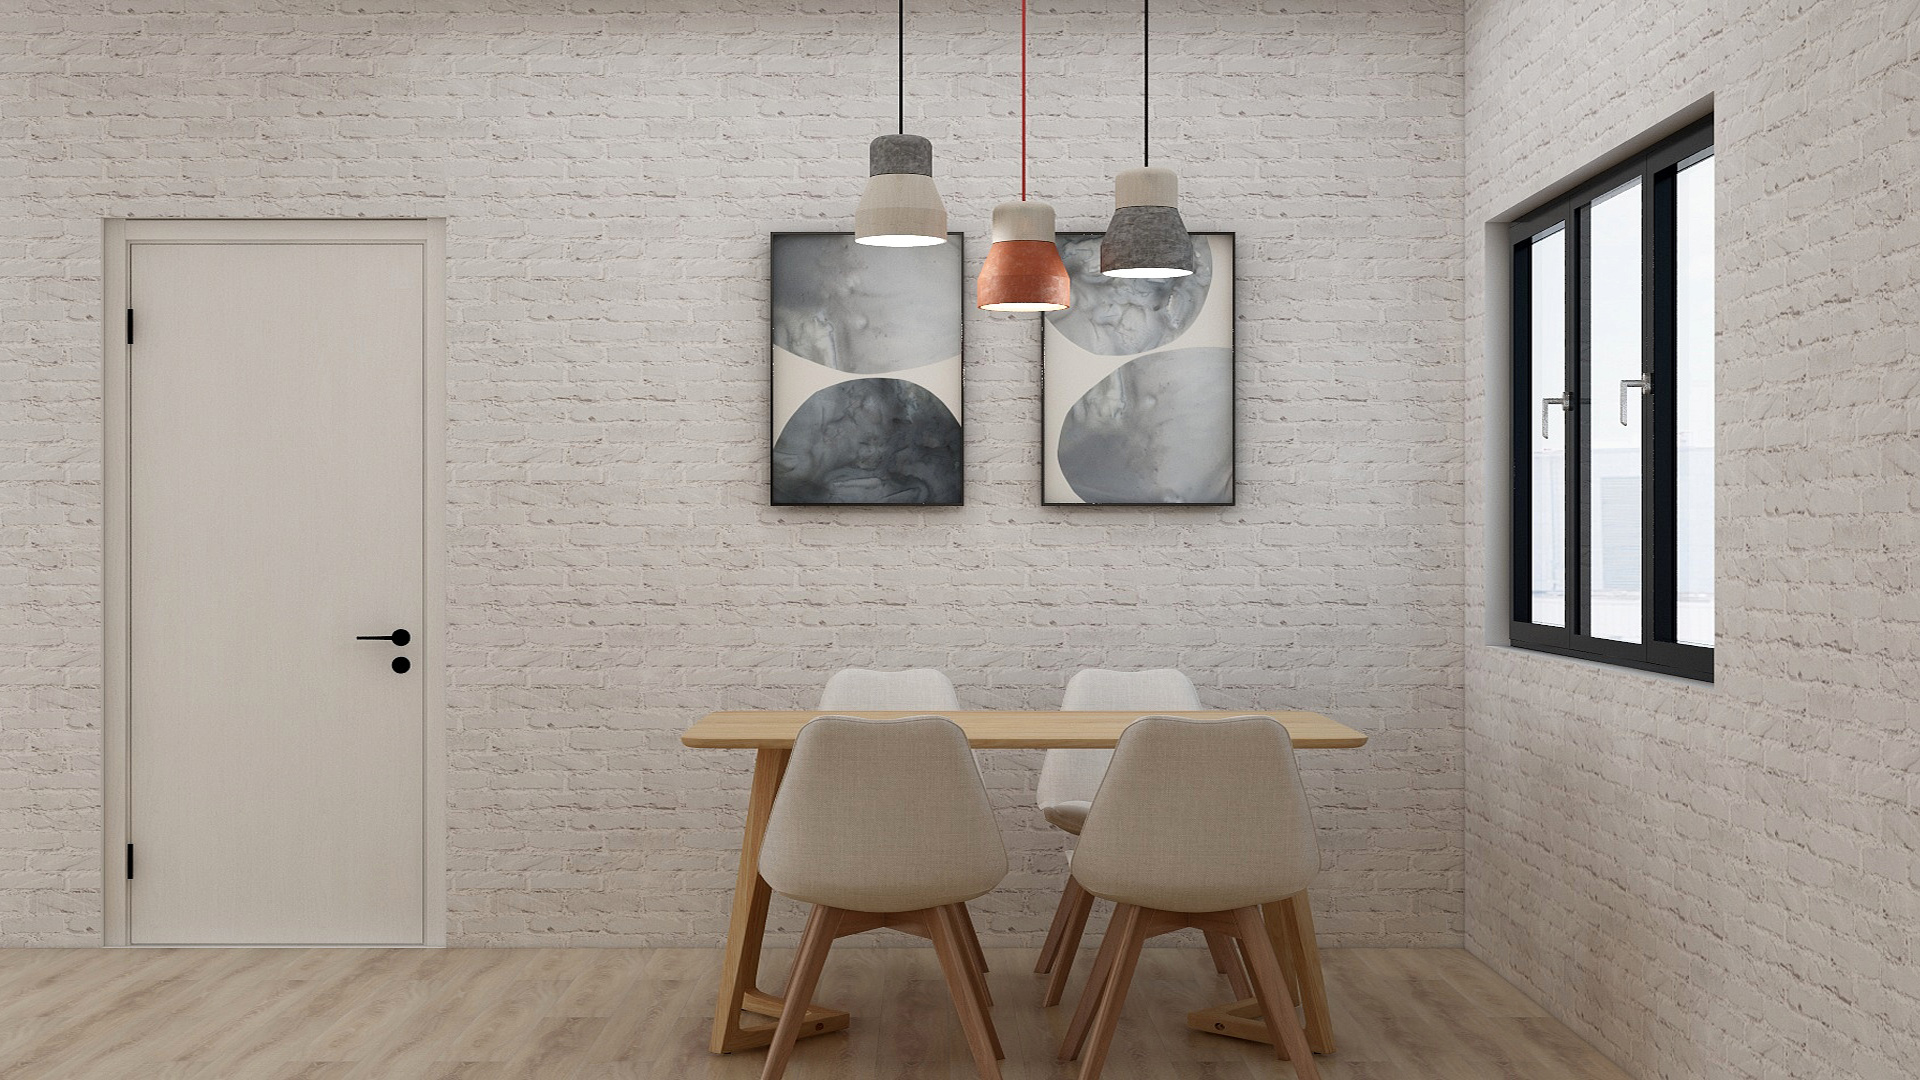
(913, 690)
(1068, 780)
(884, 823)
(1197, 824)
(863, 689)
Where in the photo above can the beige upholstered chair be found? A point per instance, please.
(914, 690)
(884, 824)
(1068, 780)
(863, 690)
(1197, 824)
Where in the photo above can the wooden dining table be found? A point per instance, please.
(770, 734)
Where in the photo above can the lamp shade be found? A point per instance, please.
(901, 207)
(1023, 271)
(1146, 238)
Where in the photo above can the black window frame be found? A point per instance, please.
(1658, 650)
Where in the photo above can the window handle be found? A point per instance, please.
(1544, 402)
(1644, 382)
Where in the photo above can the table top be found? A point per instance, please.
(1003, 729)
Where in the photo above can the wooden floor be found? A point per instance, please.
(602, 1014)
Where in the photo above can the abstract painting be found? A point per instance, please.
(1137, 394)
(866, 372)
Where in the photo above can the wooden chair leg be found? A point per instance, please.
(1113, 997)
(1227, 963)
(1056, 933)
(1296, 927)
(823, 923)
(1283, 947)
(1069, 948)
(1124, 916)
(958, 913)
(1270, 988)
(957, 966)
(957, 919)
(973, 940)
(1213, 950)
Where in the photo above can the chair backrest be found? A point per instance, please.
(860, 690)
(1204, 815)
(1074, 775)
(882, 815)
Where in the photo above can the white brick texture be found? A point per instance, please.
(1724, 882)
(609, 173)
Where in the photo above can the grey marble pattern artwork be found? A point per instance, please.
(1119, 316)
(869, 441)
(865, 310)
(866, 345)
(1138, 401)
(1151, 433)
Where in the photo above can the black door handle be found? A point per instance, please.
(398, 637)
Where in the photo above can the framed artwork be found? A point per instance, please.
(866, 372)
(1137, 384)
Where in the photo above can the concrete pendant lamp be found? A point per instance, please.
(901, 207)
(1146, 238)
(1023, 271)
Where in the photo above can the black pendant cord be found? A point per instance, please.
(903, 67)
(1146, 44)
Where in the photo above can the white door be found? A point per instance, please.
(276, 509)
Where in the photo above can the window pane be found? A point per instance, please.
(1613, 466)
(1693, 404)
(1548, 347)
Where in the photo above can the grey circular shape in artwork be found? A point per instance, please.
(869, 441)
(1158, 430)
(865, 310)
(1122, 316)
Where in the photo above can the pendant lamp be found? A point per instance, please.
(1023, 271)
(901, 207)
(1146, 238)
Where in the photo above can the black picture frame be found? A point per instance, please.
(1233, 396)
(773, 496)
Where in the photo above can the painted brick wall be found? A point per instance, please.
(1724, 881)
(609, 173)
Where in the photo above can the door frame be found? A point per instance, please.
(119, 236)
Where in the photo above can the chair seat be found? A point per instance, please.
(1069, 816)
(877, 896)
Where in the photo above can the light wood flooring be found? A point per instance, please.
(615, 1014)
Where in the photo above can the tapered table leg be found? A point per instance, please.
(740, 967)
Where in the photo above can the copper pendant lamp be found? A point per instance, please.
(1023, 271)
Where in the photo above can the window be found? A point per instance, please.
(1613, 416)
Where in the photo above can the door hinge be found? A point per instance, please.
(129, 862)
(129, 326)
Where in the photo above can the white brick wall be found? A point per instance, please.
(609, 173)
(1724, 882)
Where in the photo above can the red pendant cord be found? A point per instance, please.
(1023, 100)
